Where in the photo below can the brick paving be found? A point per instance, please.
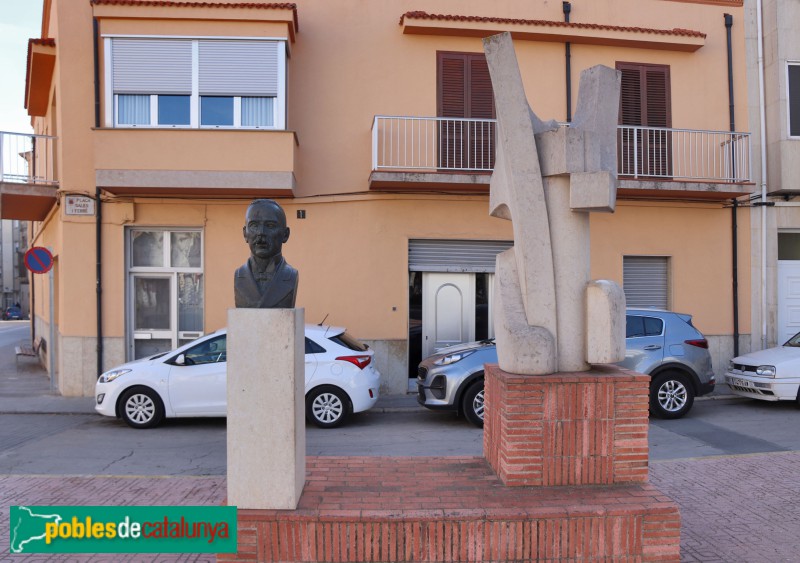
(737, 509)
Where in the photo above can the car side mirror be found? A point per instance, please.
(180, 360)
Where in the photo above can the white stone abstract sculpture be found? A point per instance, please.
(549, 317)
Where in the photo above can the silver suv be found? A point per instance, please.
(659, 343)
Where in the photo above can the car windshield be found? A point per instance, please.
(794, 341)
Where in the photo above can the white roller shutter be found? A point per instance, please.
(454, 255)
(238, 68)
(645, 280)
(152, 66)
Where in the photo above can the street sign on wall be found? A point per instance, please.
(38, 260)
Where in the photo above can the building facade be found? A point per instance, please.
(773, 70)
(14, 276)
(372, 125)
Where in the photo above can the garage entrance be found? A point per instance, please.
(450, 294)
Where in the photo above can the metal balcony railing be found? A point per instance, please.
(433, 143)
(27, 159)
(468, 145)
(683, 154)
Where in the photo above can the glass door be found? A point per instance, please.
(152, 318)
(165, 289)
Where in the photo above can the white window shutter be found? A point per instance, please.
(152, 66)
(238, 68)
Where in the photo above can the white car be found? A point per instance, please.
(770, 375)
(191, 381)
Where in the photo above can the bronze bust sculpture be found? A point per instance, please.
(265, 281)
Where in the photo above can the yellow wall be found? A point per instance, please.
(697, 238)
(351, 61)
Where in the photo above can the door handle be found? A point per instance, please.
(652, 347)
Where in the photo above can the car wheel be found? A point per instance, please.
(141, 408)
(671, 395)
(472, 404)
(327, 407)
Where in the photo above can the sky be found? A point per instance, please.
(19, 21)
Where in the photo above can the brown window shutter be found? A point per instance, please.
(465, 91)
(645, 95)
(645, 101)
(630, 100)
(658, 102)
(481, 96)
(452, 75)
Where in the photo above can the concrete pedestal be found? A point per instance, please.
(583, 428)
(266, 408)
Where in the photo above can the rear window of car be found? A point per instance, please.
(348, 341)
(313, 348)
(636, 326)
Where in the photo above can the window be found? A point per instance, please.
(645, 280)
(196, 83)
(793, 81)
(165, 289)
(209, 352)
(645, 102)
(313, 348)
(636, 326)
(464, 90)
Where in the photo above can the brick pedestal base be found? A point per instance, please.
(586, 428)
(455, 509)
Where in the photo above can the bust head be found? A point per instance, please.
(265, 229)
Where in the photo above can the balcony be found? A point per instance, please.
(452, 154)
(28, 183)
(197, 162)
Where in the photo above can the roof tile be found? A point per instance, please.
(574, 25)
(169, 3)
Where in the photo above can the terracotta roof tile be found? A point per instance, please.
(169, 3)
(48, 42)
(574, 25)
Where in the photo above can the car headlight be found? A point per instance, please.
(453, 358)
(110, 376)
(765, 371)
(730, 365)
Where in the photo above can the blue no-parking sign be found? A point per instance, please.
(38, 260)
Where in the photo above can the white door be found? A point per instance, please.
(788, 299)
(448, 310)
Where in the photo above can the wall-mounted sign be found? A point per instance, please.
(79, 205)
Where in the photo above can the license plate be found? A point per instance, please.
(740, 382)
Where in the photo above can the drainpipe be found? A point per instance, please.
(99, 277)
(735, 208)
(763, 202)
(567, 7)
(99, 216)
(96, 40)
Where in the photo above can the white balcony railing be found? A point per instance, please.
(27, 159)
(453, 144)
(433, 143)
(683, 154)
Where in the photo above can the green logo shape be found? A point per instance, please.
(122, 529)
